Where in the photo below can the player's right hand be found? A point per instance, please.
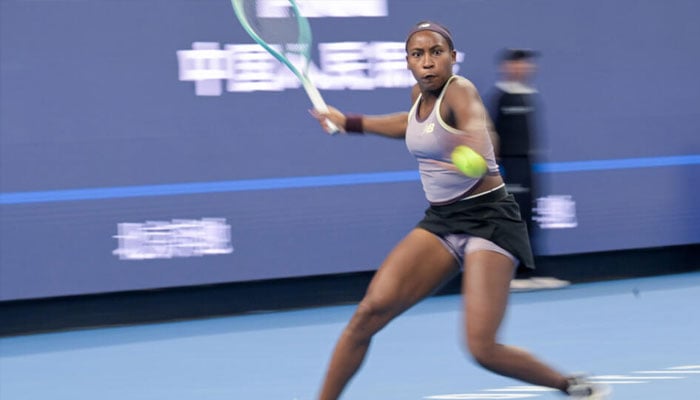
(333, 115)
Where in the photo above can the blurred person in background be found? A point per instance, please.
(513, 109)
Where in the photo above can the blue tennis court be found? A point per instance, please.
(639, 335)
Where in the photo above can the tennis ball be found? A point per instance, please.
(471, 163)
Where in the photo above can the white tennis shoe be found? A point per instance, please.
(582, 389)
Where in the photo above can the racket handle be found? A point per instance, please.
(320, 106)
(331, 128)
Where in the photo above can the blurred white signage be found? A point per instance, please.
(324, 8)
(177, 238)
(555, 212)
(342, 65)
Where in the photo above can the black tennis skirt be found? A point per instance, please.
(494, 216)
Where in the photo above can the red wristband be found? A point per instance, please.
(353, 123)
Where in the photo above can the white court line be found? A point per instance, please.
(667, 372)
(480, 396)
(685, 367)
(522, 389)
(524, 392)
(628, 377)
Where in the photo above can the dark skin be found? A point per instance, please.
(420, 264)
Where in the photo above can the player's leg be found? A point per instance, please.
(414, 269)
(486, 289)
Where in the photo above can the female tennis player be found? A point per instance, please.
(470, 223)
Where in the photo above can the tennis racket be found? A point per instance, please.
(285, 35)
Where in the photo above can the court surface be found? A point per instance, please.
(640, 335)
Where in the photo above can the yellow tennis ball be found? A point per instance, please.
(471, 163)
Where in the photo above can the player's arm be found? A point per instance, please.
(495, 139)
(459, 103)
(389, 125)
(463, 109)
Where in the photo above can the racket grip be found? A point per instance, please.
(331, 128)
(320, 105)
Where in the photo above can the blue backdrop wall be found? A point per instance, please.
(137, 151)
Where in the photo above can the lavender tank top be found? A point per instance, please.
(432, 139)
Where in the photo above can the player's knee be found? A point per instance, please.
(373, 311)
(483, 352)
(369, 317)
